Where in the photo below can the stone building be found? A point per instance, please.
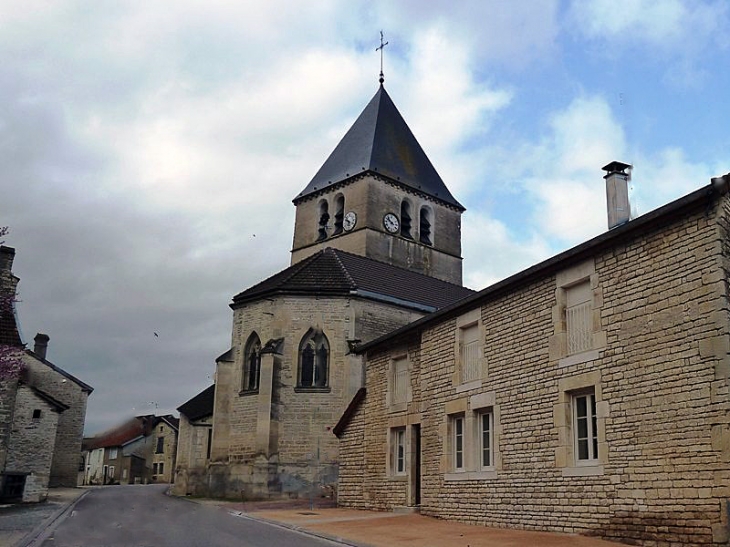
(138, 451)
(587, 394)
(194, 442)
(377, 244)
(42, 407)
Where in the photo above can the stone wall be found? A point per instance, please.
(371, 198)
(32, 440)
(192, 455)
(658, 369)
(65, 467)
(166, 457)
(278, 440)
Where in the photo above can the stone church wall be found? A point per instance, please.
(659, 373)
(278, 440)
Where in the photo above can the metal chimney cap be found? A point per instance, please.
(616, 167)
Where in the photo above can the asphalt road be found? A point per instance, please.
(143, 516)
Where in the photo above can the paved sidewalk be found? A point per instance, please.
(21, 523)
(375, 529)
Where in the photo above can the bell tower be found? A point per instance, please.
(379, 196)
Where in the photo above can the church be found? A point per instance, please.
(377, 245)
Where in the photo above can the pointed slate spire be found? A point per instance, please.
(380, 141)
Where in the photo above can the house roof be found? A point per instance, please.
(57, 405)
(344, 420)
(659, 217)
(332, 272)
(199, 406)
(130, 430)
(381, 142)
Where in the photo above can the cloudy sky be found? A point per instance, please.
(150, 150)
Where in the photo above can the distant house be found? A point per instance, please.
(140, 450)
(194, 442)
(42, 408)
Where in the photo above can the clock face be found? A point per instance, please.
(348, 223)
(391, 223)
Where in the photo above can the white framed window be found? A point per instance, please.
(485, 425)
(112, 453)
(469, 350)
(585, 428)
(111, 472)
(398, 451)
(579, 317)
(457, 443)
(401, 379)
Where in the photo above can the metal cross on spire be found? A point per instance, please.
(381, 48)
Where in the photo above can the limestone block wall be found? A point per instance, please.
(32, 439)
(192, 455)
(166, 457)
(7, 404)
(278, 439)
(370, 197)
(658, 369)
(64, 471)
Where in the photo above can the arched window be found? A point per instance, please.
(252, 363)
(324, 218)
(339, 214)
(405, 219)
(313, 359)
(425, 226)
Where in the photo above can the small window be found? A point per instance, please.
(160, 445)
(113, 453)
(470, 349)
(585, 430)
(398, 447)
(111, 471)
(37, 414)
(578, 318)
(339, 214)
(251, 364)
(210, 443)
(401, 380)
(161, 428)
(457, 432)
(425, 226)
(161, 469)
(313, 360)
(154, 469)
(486, 439)
(324, 218)
(405, 219)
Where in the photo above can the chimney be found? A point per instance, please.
(7, 255)
(41, 345)
(617, 193)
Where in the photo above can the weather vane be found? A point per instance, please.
(382, 46)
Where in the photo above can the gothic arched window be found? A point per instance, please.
(339, 214)
(324, 218)
(405, 219)
(251, 363)
(425, 226)
(313, 360)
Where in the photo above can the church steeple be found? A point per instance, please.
(380, 141)
(378, 195)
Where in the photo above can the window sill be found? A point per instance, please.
(247, 392)
(583, 471)
(579, 358)
(303, 389)
(470, 475)
(468, 386)
(398, 478)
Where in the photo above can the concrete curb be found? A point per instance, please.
(299, 529)
(55, 518)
